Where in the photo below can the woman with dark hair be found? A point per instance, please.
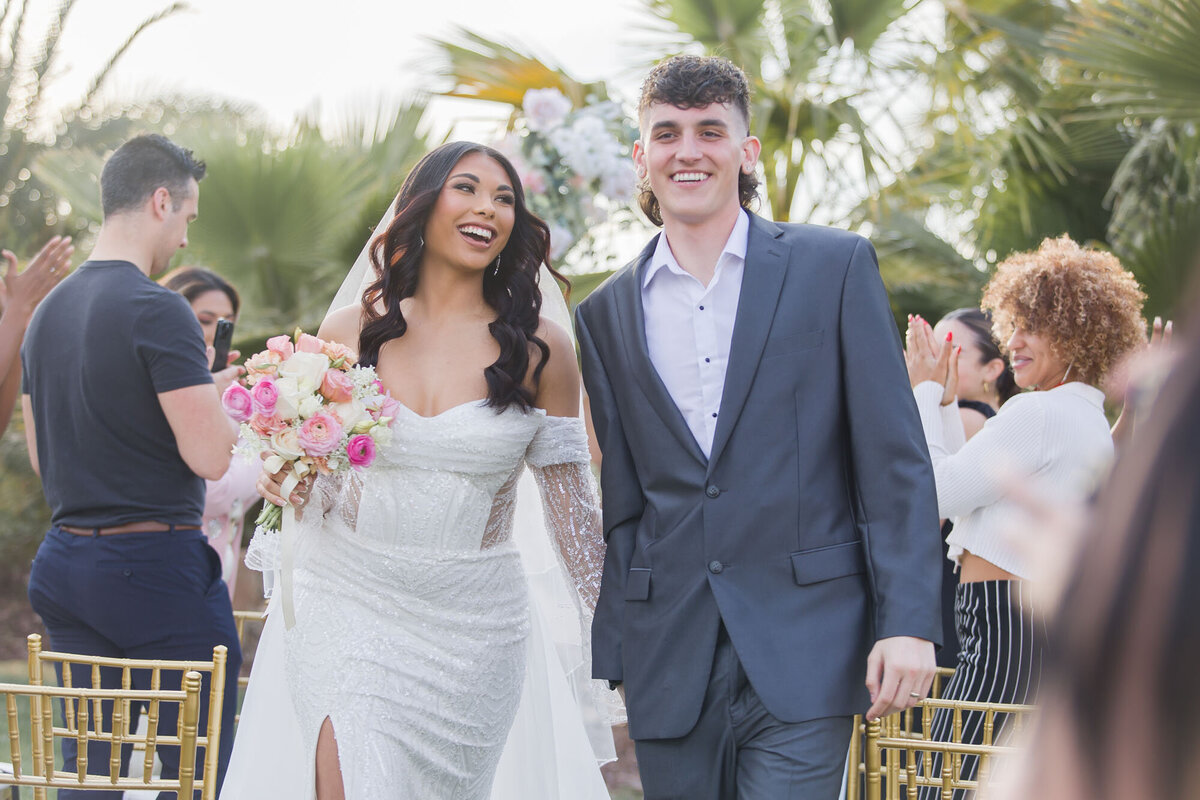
(984, 382)
(213, 298)
(1066, 316)
(416, 644)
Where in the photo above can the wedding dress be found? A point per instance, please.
(426, 633)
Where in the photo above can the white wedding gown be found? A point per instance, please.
(415, 633)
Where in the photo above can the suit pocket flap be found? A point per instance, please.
(786, 345)
(637, 585)
(827, 563)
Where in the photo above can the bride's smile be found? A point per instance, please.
(473, 217)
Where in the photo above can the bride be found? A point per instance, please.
(429, 656)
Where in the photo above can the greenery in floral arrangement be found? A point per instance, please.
(575, 166)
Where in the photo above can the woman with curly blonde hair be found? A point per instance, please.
(1065, 315)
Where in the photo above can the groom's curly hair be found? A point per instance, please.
(396, 254)
(695, 82)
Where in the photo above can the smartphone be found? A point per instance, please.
(221, 342)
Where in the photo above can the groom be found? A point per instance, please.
(768, 499)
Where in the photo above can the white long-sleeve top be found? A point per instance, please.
(1059, 438)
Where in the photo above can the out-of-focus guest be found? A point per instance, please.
(984, 382)
(1066, 315)
(20, 293)
(213, 298)
(1121, 697)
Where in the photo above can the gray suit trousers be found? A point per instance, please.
(738, 751)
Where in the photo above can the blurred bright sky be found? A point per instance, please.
(342, 56)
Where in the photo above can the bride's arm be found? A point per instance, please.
(559, 459)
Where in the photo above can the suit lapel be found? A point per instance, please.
(762, 279)
(632, 325)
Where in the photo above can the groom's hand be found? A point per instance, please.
(900, 670)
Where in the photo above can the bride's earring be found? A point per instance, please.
(496, 271)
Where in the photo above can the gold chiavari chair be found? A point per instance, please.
(897, 760)
(243, 620)
(147, 740)
(855, 766)
(83, 706)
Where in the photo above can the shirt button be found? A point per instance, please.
(701, 308)
(707, 360)
(715, 567)
(714, 415)
(712, 491)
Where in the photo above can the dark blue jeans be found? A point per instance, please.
(137, 595)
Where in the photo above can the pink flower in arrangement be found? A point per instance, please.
(336, 350)
(308, 343)
(388, 407)
(265, 363)
(281, 346)
(360, 450)
(265, 395)
(237, 402)
(337, 386)
(267, 424)
(320, 434)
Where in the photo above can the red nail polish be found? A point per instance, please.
(950, 336)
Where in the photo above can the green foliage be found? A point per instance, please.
(24, 516)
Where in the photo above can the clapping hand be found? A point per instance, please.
(20, 292)
(929, 360)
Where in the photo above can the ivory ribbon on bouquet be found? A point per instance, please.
(287, 530)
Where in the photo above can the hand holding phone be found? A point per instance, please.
(221, 342)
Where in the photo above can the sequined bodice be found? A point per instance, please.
(435, 484)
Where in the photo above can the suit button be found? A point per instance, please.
(712, 491)
(715, 567)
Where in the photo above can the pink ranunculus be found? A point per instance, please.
(267, 424)
(237, 402)
(282, 346)
(309, 344)
(320, 434)
(337, 386)
(266, 395)
(360, 450)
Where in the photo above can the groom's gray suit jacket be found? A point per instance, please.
(810, 531)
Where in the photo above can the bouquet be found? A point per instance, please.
(305, 403)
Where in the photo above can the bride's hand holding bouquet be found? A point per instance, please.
(309, 410)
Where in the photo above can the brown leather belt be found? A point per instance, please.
(129, 527)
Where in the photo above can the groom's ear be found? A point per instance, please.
(639, 159)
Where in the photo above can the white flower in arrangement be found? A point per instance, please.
(307, 369)
(545, 108)
(309, 406)
(288, 406)
(560, 240)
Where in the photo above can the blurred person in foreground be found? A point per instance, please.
(1120, 698)
(20, 293)
(124, 423)
(226, 499)
(1067, 315)
(984, 382)
(767, 494)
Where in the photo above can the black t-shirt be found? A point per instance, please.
(99, 350)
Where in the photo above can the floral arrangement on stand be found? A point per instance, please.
(574, 165)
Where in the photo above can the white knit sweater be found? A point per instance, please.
(1059, 438)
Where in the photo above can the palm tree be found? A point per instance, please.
(30, 208)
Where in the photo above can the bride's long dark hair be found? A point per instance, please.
(396, 255)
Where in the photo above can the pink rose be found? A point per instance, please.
(266, 395)
(337, 386)
(262, 364)
(237, 402)
(281, 346)
(309, 344)
(360, 450)
(320, 434)
(267, 424)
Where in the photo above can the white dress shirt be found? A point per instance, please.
(689, 327)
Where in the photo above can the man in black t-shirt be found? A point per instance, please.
(124, 424)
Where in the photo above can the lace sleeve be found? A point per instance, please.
(559, 460)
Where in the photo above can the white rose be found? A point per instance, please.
(286, 444)
(351, 413)
(545, 108)
(307, 369)
(288, 404)
(309, 406)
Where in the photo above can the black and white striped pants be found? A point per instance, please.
(1001, 643)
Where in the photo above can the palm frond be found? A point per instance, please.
(98, 81)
